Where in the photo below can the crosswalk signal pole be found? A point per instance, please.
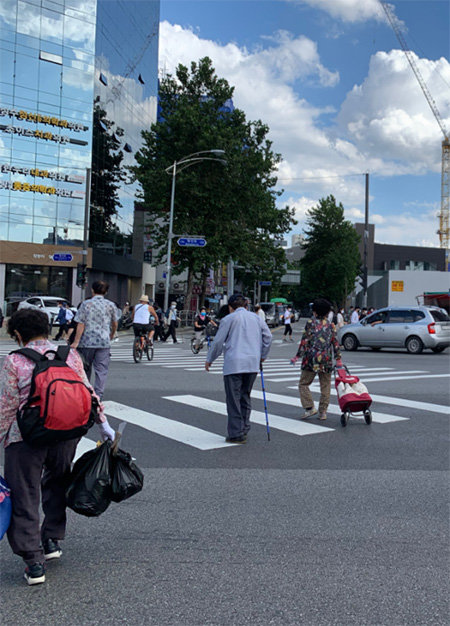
(366, 241)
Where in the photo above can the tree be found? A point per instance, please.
(331, 262)
(233, 206)
(107, 176)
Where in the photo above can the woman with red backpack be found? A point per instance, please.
(40, 432)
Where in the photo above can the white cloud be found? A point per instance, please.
(347, 10)
(388, 113)
(408, 229)
(384, 125)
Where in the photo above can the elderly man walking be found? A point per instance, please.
(245, 341)
(97, 324)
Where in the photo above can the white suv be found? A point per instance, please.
(413, 328)
(48, 304)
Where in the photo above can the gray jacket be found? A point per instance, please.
(244, 339)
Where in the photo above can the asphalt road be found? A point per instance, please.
(321, 525)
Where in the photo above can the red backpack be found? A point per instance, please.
(59, 406)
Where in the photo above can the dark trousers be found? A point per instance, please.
(171, 331)
(30, 471)
(287, 330)
(237, 391)
(63, 328)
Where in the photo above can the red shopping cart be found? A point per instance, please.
(352, 395)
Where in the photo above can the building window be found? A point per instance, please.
(394, 264)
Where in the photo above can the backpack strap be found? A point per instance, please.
(33, 355)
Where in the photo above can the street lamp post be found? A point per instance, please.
(176, 167)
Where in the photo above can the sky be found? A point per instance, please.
(331, 81)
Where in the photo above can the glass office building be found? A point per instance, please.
(56, 57)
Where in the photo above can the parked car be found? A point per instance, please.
(414, 328)
(49, 304)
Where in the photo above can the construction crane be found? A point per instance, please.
(443, 232)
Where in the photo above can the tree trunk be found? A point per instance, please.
(190, 285)
(203, 293)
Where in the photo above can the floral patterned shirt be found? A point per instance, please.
(97, 314)
(15, 381)
(317, 345)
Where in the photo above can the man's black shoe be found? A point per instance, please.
(51, 549)
(35, 574)
(242, 439)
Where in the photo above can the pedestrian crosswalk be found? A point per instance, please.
(284, 411)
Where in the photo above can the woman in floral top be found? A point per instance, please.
(29, 470)
(316, 349)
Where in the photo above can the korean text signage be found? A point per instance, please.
(193, 242)
(38, 133)
(64, 258)
(397, 285)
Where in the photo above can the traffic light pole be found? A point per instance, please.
(366, 242)
(87, 204)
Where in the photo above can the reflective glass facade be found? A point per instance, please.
(47, 60)
(126, 82)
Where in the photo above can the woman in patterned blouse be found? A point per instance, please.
(316, 349)
(30, 471)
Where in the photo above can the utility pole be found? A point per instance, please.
(366, 242)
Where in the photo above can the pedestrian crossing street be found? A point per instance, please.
(204, 440)
(284, 408)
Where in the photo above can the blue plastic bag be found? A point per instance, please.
(5, 507)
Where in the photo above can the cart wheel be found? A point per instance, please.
(368, 416)
(344, 419)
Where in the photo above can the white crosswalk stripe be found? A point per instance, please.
(285, 424)
(205, 440)
(178, 431)
(380, 418)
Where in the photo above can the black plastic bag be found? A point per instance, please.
(89, 492)
(127, 478)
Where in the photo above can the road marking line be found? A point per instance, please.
(380, 418)
(178, 431)
(83, 446)
(291, 378)
(258, 417)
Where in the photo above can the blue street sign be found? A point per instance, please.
(62, 257)
(198, 242)
(265, 283)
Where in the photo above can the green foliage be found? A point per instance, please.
(331, 262)
(107, 176)
(233, 206)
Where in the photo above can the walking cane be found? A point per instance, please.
(265, 404)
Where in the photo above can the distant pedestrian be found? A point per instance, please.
(159, 328)
(172, 321)
(340, 321)
(32, 471)
(62, 320)
(97, 325)
(316, 349)
(260, 312)
(287, 319)
(354, 319)
(245, 342)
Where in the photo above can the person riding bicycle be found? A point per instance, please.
(200, 323)
(144, 318)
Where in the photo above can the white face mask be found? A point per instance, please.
(173, 306)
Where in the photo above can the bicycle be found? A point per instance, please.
(141, 345)
(207, 338)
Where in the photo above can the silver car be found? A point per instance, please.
(414, 328)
